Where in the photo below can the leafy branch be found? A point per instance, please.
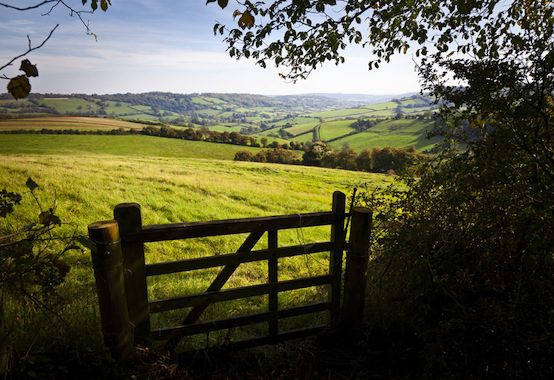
(20, 86)
(29, 49)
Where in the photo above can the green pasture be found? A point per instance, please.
(333, 114)
(299, 129)
(119, 108)
(369, 139)
(383, 106)
(88, 178)
(225, 128)
(403, 126)
(332, 129)
(125, 146)
(141, 117)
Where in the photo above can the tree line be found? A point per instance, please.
(377, 160)
(194, 134)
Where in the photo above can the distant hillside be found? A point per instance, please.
(359, 99)
(337, 119)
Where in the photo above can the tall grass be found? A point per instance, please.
(86, 187)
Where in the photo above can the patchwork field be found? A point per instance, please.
(303, 118)
(402, 133)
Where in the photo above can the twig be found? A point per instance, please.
(30, 49)
(29, 7)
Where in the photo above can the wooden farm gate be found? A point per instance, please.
(121, 272)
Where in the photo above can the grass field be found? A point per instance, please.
(66, 122)
(298, 129)
(391, 133)
(64, 105)
(128, 146)
(89, 175)
(333, 129)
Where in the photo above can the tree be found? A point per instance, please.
(315, 154)
(363, 161)
(19, 86)
(463, 264)
(300, 35)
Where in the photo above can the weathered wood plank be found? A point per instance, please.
(235, 258)
(107, 263)
(216, 285)
(243, 320)
(232, 294)
(272, 271)
(357, 258)
(335, 261)
(129, 219)
(155, 232)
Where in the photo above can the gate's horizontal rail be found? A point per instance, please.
(243, 320)
(235, 258)
(236, 293)
(163, 232)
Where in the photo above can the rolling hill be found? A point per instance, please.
(397, 122)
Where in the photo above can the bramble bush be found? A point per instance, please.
(31, 266)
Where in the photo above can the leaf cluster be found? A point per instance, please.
(31, 266)
(303, 34)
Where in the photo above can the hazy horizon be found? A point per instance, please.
(225, 93)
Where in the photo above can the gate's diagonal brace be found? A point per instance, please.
(216, 285)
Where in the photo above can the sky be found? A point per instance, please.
(165, 45)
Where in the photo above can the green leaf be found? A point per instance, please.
(19, 86)
(28, 68)
(31, 185)
(222, 3)
(94, 4)
(104, 5)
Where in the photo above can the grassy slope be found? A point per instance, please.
(332, 129)
(391, 133)
(128, 146)
(334, 123)
(89, 175)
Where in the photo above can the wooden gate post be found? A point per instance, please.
(357, 257)
(129, 219)
(335, 260)
(110, 287)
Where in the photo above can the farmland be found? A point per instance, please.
(173, 180)
(285, 119)
(66, 122)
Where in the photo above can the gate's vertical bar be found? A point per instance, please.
(110, 287)
(128, 216)
(355, 277)
(335, 260)
(273, 278)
